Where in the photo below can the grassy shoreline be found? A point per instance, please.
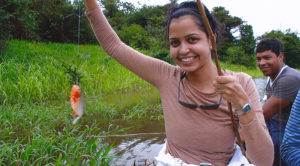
(34, 72)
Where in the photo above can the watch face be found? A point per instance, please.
(245, 109)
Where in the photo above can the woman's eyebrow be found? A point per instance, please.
(189, 35)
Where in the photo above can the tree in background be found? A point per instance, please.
(242, 52)
(291, 45)
(36, 20)
(19, 20)
(142, 28)
(233, 48)
(51, 18)
(229, 25)
(58, 21)
(117, 12)
(135, 36)
(247, 40)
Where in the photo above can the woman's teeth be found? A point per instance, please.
(187, 59)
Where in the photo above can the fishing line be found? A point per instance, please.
(76, 61)
(78, 34)
(78, 41)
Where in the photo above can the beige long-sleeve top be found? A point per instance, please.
(195, 136)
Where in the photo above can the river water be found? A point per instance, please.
(147, 140)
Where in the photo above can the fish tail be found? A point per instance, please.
(75, 120)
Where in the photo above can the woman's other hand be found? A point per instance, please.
(231, 90)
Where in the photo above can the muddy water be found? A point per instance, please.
(147, 139)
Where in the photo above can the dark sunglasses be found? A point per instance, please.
(193, 106)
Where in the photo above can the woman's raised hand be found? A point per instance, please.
(90, 4)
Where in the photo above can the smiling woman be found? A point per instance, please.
(189, 130)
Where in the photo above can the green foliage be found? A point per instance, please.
(272, 34)
(41, 135)
(117, 12)
(45, 20)
(235, 49)
(247, 40)
(292, 49)
(75, 75)
(291, 44)
(163, 54)
(152, 19)
(229, 25)
(111, 7)
(254, 72)
(135, 36)
(19, 19)
(238, 56)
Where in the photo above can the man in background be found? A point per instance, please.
(281, 90)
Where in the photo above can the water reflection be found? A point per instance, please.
(142, 144)
(260, 85)
(138, 148)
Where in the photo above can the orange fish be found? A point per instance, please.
(77, 102)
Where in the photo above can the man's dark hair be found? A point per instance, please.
(273, 44)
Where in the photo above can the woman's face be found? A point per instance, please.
(189, 45)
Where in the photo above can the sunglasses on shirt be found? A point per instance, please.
(194, 106)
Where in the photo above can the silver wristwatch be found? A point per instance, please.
(246, 108)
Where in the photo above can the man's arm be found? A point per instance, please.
(274, 105)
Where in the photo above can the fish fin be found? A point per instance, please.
(74, 103)
(74, 113)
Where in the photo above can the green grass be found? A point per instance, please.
(254, 72)
(34, 72)
(35, 112)
(39, 135)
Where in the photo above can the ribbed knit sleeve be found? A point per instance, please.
(259, 145)
(290, 148)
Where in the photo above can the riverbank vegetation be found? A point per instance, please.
(35, 112)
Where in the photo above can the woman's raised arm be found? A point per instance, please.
(146, 67)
